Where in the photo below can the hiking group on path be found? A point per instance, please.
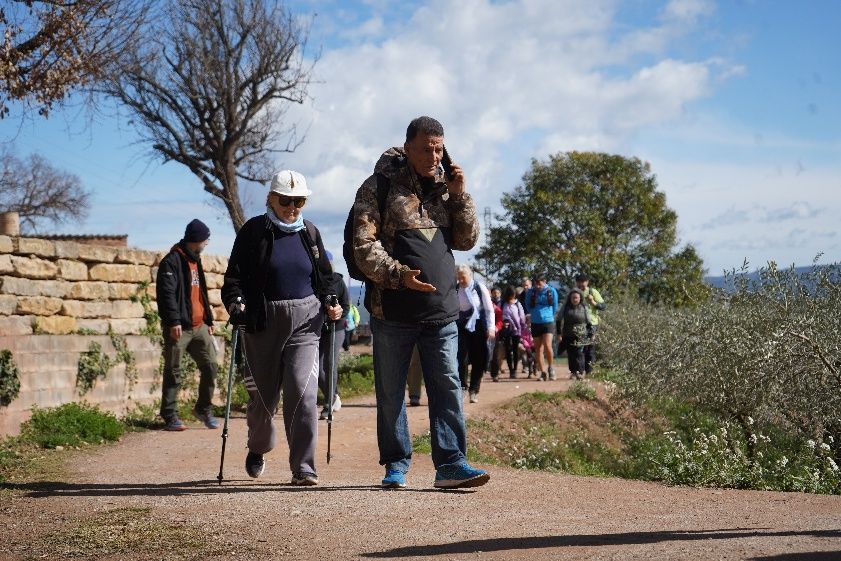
(281, 290)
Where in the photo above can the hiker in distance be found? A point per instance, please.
(279, 269)
(187, 325)
(404, 246)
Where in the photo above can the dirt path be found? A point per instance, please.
(518, 515)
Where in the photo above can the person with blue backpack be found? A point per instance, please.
(542, 305)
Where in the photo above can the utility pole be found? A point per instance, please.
(487, 216)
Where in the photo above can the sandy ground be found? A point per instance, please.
(517, 515)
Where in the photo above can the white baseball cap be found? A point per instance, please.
(290, 183)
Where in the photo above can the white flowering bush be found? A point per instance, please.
(765, 352)
(716, 459)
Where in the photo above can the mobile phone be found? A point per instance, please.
(447, 164)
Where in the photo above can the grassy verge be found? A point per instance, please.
(125, 532)
(583, 431)
(32, 455)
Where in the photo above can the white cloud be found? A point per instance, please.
(509, 81)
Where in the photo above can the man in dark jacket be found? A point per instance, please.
(406, 251)
(187, 325)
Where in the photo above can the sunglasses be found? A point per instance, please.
(299, 202)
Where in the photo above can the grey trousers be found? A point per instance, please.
(285, 357)
(198, 343)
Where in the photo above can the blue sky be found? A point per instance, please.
(734, 104)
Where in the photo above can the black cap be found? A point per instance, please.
(196, 231)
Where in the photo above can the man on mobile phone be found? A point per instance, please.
(404, 246)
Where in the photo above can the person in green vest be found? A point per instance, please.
(595, 303)
(352, 320)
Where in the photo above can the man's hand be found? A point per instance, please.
(410, 281)
(492, 333)
(591, 299)
(334, 312)
(175, 332)
(458, 183)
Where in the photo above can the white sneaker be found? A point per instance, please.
(474, 397)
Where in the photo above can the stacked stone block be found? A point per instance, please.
(62, 287)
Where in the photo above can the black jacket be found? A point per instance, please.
(248, 266)
(337, 281)
(172, 288)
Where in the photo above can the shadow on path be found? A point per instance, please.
(585, 540)
(208, 486)
(806, 556)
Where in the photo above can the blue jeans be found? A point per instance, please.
(438, 348)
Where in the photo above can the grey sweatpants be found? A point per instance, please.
(284, 356)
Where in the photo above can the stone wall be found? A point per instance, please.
(61, 287)
(47, 366)
(56, 297)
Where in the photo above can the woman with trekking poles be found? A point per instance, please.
(278, 281)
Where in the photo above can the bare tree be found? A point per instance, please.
(40, 193)
(209, 86)
(50, 47)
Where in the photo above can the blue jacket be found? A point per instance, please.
(542, 311)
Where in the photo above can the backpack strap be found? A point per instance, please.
(311, 237)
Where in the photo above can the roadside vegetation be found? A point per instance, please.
(32, 455)
(741, 390)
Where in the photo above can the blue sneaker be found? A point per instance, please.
(458, 476)
(394, 479)
(207, 418)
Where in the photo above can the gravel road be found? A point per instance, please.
(518, 515)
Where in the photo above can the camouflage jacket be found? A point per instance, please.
(420, 226)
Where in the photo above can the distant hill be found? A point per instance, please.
(719, 282)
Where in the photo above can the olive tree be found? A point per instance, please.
(767, 349)
(599, 213)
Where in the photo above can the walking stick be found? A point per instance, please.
(332, 300)
(234, 342)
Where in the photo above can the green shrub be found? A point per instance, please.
(581, 390)
(9, 378)
(93, 365)
(143, 416)
(356, 375)
(71, 424)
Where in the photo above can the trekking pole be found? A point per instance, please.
(231, 371)
(332, 300)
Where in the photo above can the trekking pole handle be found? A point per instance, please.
(331, 300)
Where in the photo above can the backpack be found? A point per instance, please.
(549, 299)
(383, 186)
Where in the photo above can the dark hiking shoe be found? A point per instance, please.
(207, 418)
(174, 424)
(254, 464)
